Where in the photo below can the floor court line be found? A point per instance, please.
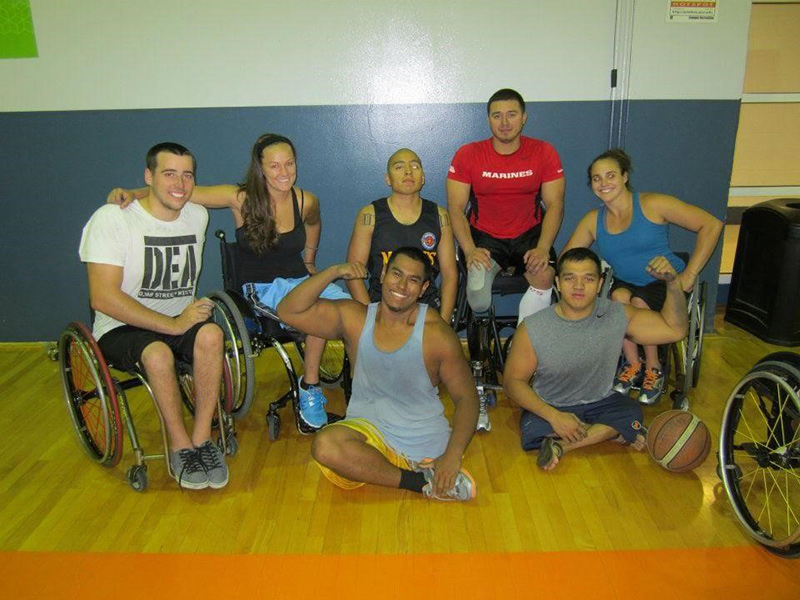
(702, 573)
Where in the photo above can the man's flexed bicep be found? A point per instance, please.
(303, 309)
(672, 323)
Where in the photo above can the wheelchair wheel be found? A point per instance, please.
(89, 391)
(697, 323)
(238, 352)
(332, 363)
(137, 477)
(759, 453)
(273, 426)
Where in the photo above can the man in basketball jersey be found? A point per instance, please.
(395, 433)
(404, 219)
(571, 350)
(143, 265)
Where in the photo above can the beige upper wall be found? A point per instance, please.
(773, 56)
(768, 138)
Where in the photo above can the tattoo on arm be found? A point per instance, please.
(366, 220)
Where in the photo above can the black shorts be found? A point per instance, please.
(618, 411)
(654, 293)
(123, 346)
(510, 252)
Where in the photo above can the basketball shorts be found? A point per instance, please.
(617, 411)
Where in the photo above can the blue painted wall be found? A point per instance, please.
(57, 167)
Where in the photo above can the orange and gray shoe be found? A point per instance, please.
(652, 386)
(629, 377)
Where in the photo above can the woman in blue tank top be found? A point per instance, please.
(630, 230)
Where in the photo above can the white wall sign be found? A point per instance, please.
(686, 11)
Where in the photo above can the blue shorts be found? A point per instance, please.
(618, 411)
(268, 295)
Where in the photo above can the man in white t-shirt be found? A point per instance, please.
(143, 264)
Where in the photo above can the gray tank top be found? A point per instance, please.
(577, 359)
(392, 391)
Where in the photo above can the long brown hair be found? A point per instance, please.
(258, 213)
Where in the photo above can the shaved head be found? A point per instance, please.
(406, 154)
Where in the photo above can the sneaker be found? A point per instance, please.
(629, 376)
(652, 386)
(464, 488)
(312, 406)
(483, 415)
(188, 470)
(214, 463)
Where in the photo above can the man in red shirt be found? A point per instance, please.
(509, 177)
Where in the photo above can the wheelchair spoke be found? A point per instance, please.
(748, 474)
(84, 382)
(791, 517)
(766, 504)
(749, 438)
(752, 483)
(743, 419)
(776, 485)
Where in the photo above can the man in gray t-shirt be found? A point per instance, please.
(570, 351)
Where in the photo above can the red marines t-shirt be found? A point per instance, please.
(506, 185)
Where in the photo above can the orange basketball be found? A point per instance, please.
(678, 440)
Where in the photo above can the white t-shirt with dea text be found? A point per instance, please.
(160, 259)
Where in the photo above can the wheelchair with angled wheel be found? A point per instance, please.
(680, 361)
(258, 329)
(759, 453)
(95, 393)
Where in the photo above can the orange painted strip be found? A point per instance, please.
(702, 573)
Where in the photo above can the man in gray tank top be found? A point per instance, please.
(571, 350)
(395, 433)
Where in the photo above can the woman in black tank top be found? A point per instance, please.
(278, 234)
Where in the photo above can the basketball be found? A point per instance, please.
(678, 441)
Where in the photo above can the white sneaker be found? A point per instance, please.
(463, 490)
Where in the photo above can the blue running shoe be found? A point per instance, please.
(312, 406)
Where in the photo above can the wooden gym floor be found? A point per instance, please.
(608, 523)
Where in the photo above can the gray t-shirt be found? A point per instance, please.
(577, 359)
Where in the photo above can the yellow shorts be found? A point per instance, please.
(374, 439)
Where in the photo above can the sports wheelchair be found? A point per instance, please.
(487, 350)
(256, 330)
(680, 361)
(759, 452)
(95, 395)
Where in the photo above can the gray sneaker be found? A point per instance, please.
(188, 470)
(212, 459)
(464, 488)
(629, 377)
(652, 386)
